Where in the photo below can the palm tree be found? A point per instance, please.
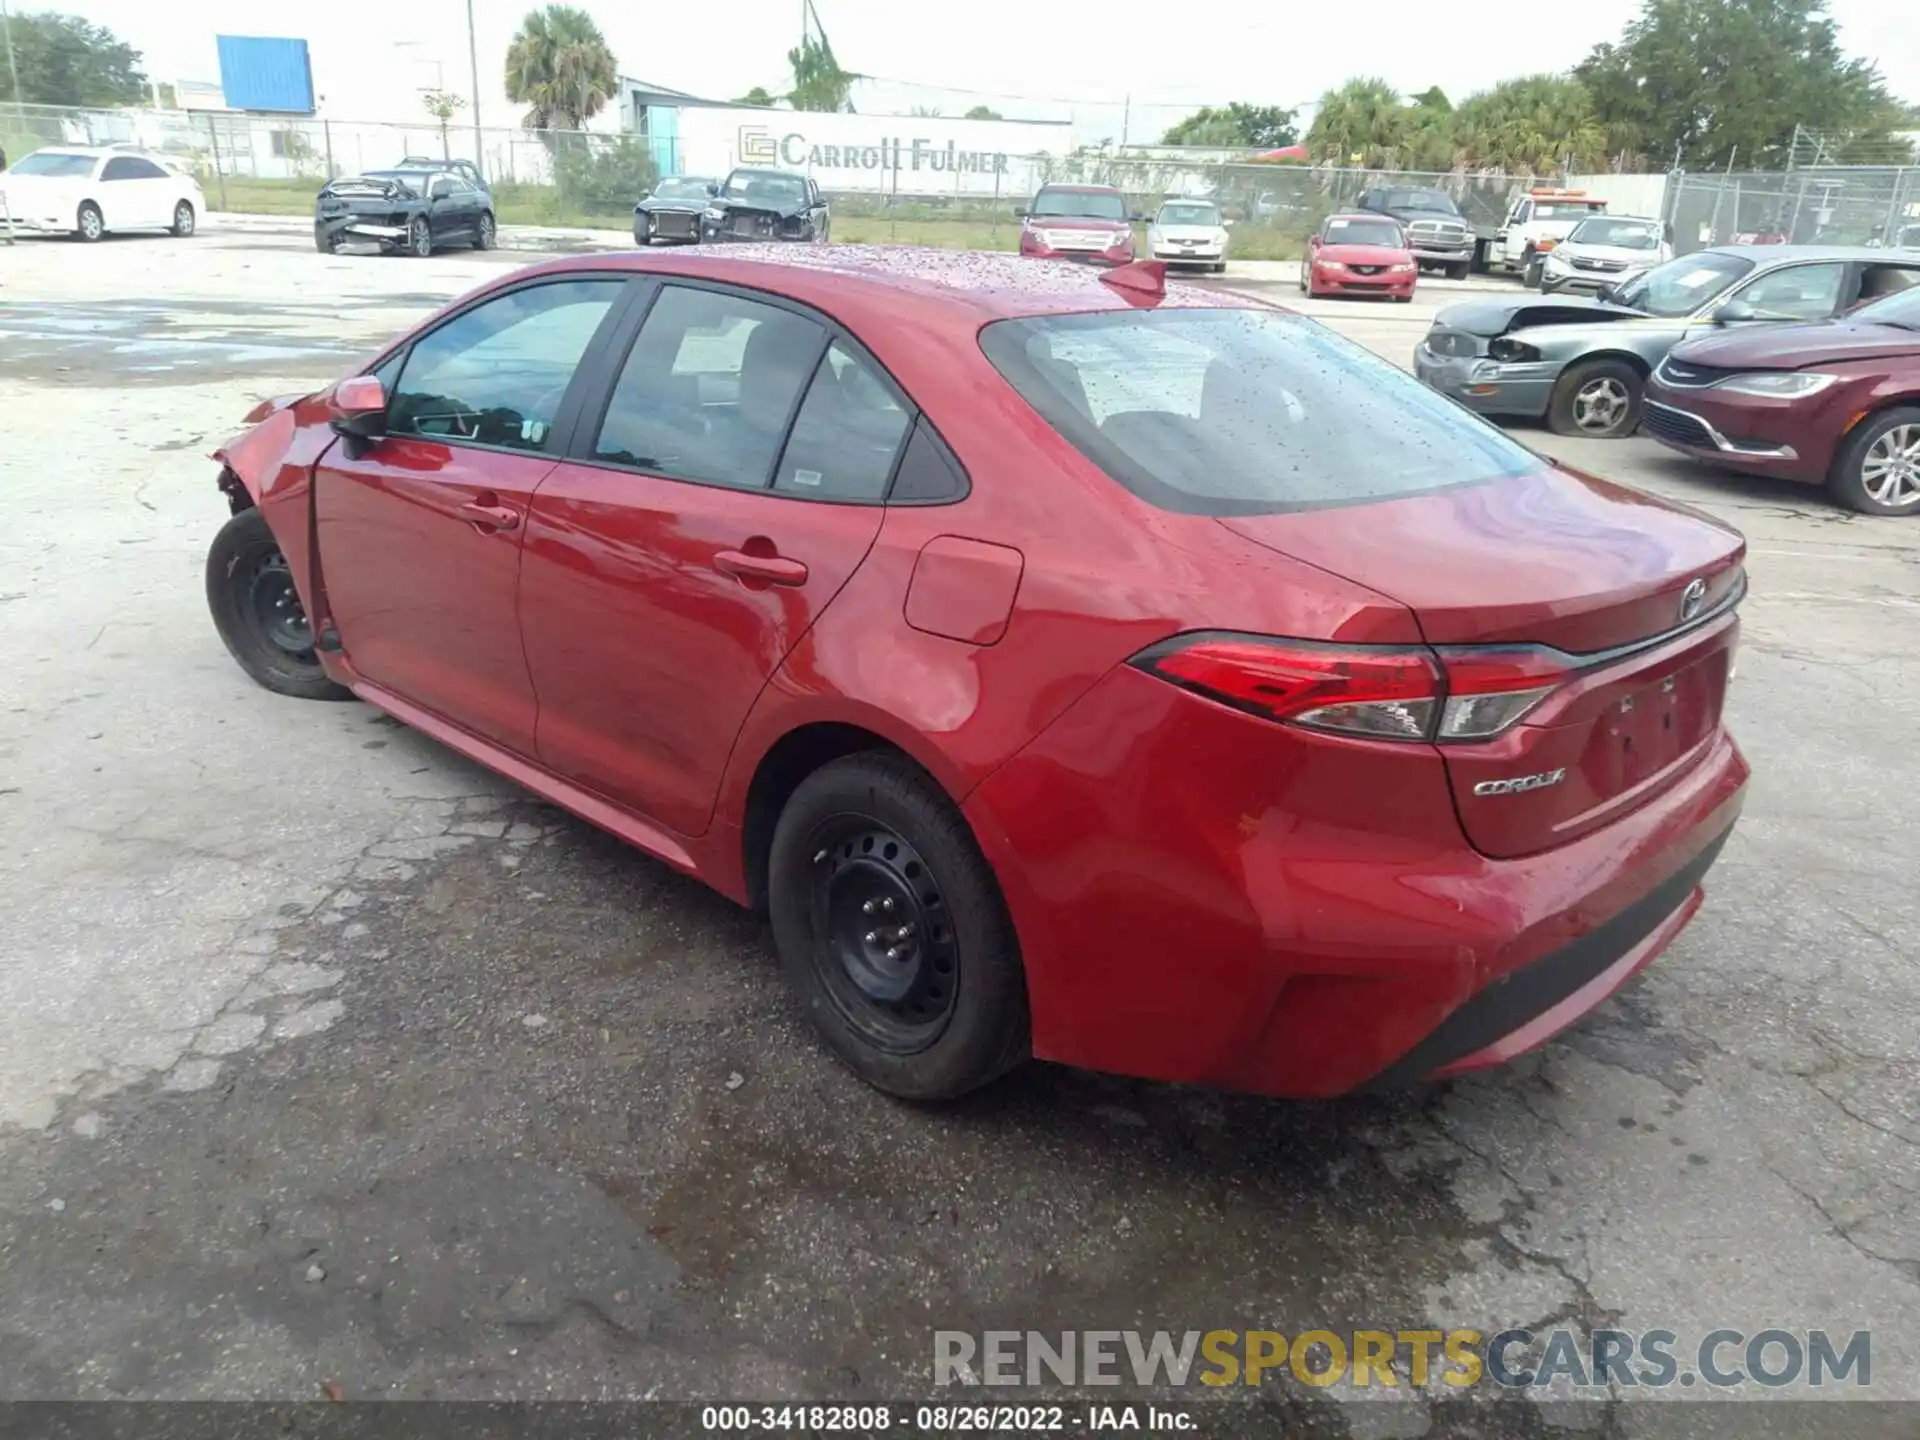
(818, 81)
(560, 67)
(1361, 123)
(1532, 125)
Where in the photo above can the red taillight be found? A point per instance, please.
(1381, 693)
(1387, 694)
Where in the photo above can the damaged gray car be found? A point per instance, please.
(1582, 365)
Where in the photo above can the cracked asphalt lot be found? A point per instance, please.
(328, 1059)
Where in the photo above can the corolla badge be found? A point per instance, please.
(1691, 599)
(1521, 783)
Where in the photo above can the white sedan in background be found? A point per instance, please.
(1189, 232)
(89, 191)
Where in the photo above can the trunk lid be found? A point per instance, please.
(1634, 594)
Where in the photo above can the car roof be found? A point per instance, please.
(1374, 215)
(96, 151)
(1781, 254)
(880, 285)
(1084, 189)
(766, 170)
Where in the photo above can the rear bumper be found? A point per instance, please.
(1200, 900)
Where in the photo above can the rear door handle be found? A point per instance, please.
(769, 569)
(490, 517)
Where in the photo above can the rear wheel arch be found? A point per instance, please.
(781, 771)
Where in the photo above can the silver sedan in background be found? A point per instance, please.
(1582, 365)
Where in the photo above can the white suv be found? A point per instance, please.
(91, 190)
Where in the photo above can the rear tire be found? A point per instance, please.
(259, 614)
(1877, 471)
(483, 232)
(1600, 400)
(89, 222)
(892, 930)
(183, 220)
(325, 243)
(420, 238)
(1458, 270)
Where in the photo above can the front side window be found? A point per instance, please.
(708, 389)
(497, 374)
(1242, 412)
(1799, 292)
(847, 433)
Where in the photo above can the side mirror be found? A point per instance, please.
(1137, 218)
(712, 189)
(1021, 211)
(357, 409)
(1735, 312)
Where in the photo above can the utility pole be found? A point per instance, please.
(473, 60)
(13, 70)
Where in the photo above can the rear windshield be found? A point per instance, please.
(62, 166)
(1242, 412)
(1095, 204)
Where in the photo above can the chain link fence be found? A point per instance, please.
(1809, 205)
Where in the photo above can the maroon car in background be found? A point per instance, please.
(1835, 403)
(1078, 222)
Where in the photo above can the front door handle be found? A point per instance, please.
(768, 569)
(490, 517)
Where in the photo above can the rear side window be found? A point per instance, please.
(709, 388)
(1242, 412)
(847, 433)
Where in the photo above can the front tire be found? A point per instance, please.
(1458, 269)
(419, 238)
(258, 611)
(892, 930)
(89, 222)
(1878, 470)
(183, 219)
(1600, 400)
(1532, 267)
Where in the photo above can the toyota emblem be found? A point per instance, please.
(1691, 599)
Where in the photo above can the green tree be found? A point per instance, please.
(757, 96)
(1361, 123)
(1430, 140)
(983, 112)
(1234, 126)
(64, 60)
(818, 81)
(560, 67)
(1532, 125)
(443, 105)
(1702, 79)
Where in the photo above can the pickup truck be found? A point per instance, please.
(1437, 233)
(1536, 222)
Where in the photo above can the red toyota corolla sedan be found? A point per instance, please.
(1834, 404)
(1126, 674)
(1359, 254)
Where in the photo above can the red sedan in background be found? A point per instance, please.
(1834, 404)
(1359, 254)
(1089, 223)
(1040, 647)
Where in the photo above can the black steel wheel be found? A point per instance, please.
(893, 932)
(259, 614)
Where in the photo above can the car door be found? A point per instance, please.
(712, 507)
(445, 217)
(123, 199)
(419, 533)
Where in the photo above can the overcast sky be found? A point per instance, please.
(1255, 50)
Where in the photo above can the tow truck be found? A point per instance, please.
(1536, 222)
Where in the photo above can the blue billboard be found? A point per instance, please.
(261, 73)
